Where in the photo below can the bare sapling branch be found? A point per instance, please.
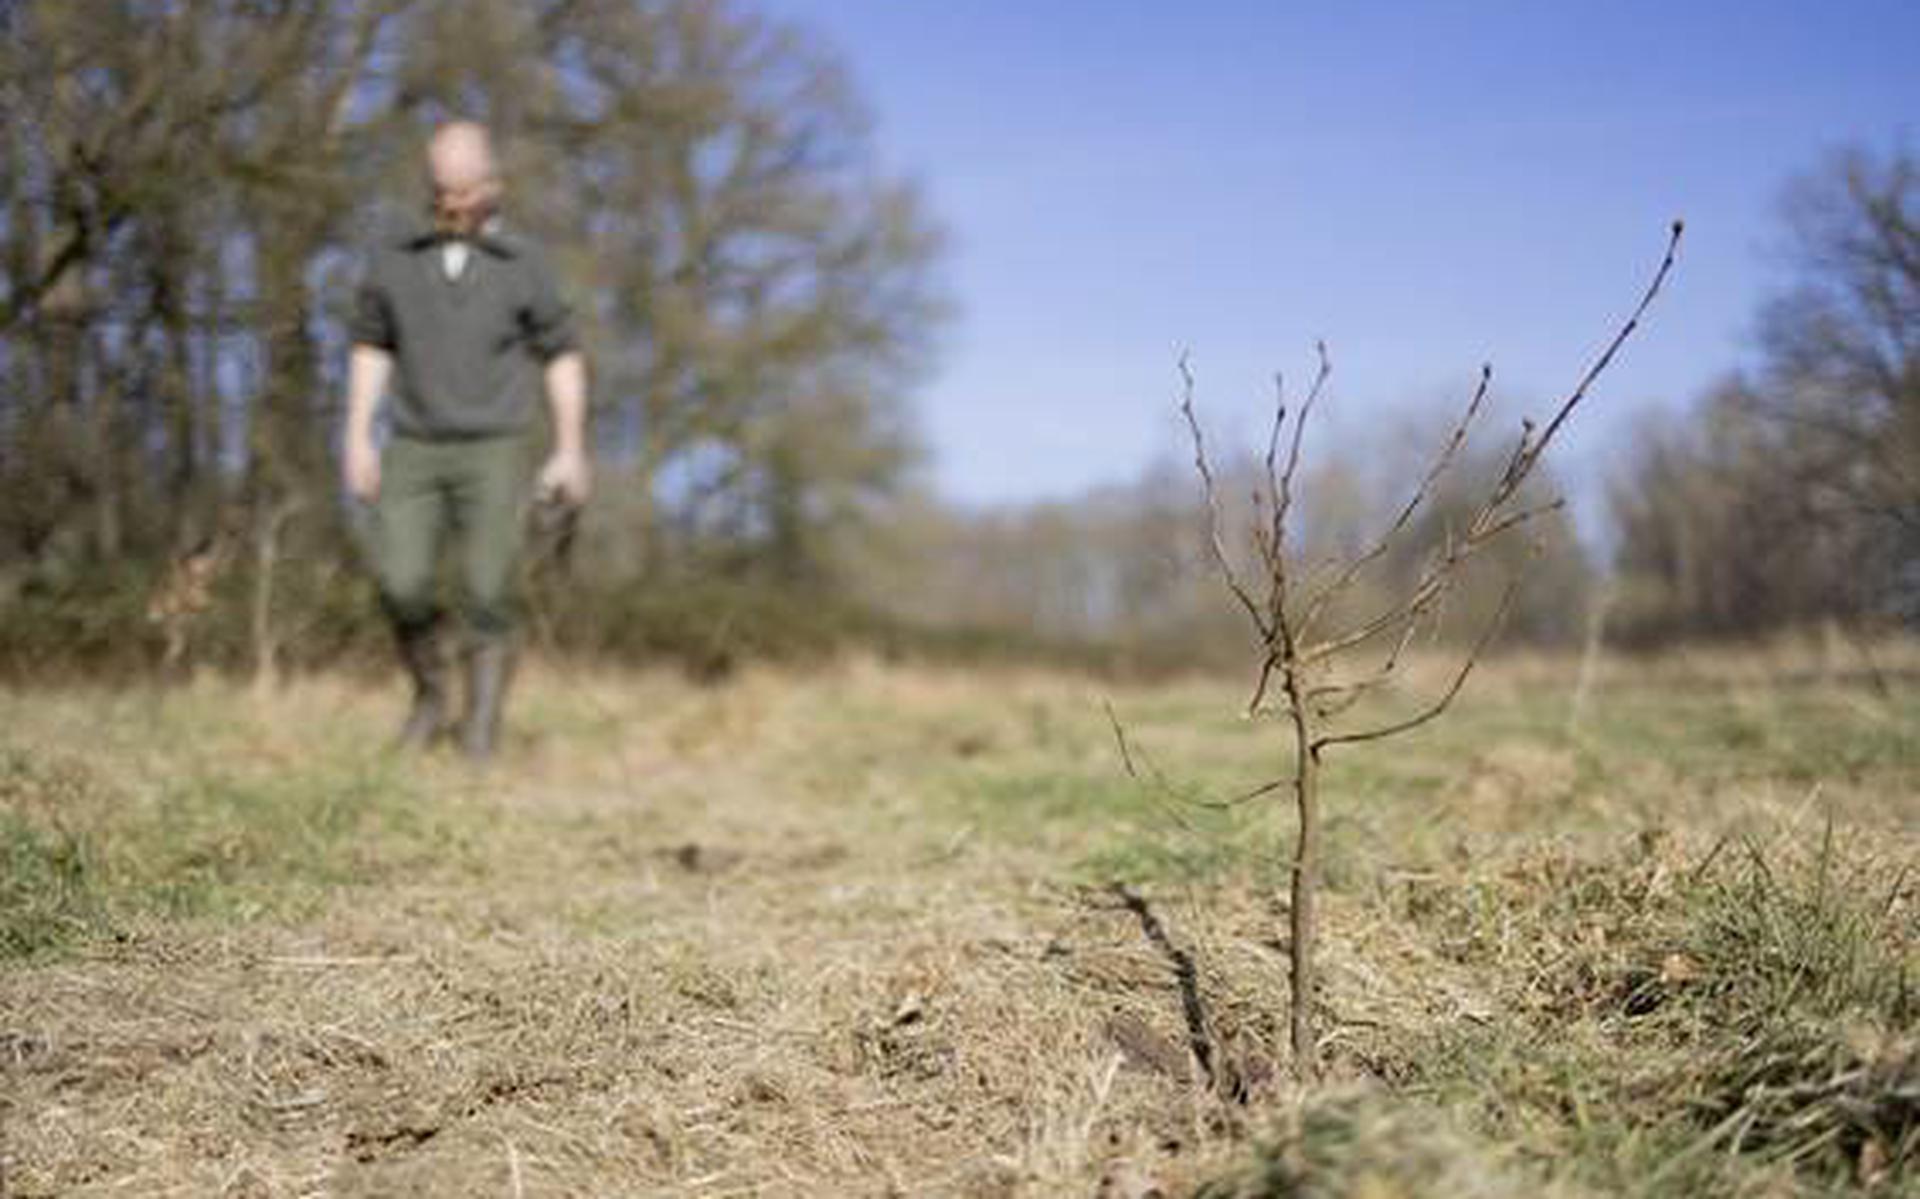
(1283, 487)
(1256, 703)
(1221, 560)
(1273, 434)
(1272, 537)
(1605, 359)
(1149, 776)
(1263, 543)
(1490, 520)
(1241, 797)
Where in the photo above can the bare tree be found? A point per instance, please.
(1839, 378)
(176, 174)
(1317, 662)
(1841, 348)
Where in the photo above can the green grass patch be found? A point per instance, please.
(46, 887)
(1688, 1026)
(84, 857)
(1723, 733)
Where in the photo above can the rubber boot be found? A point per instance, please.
(489, 674)
(423, 652)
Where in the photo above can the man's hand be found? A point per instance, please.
(361, 466)
(566, 478)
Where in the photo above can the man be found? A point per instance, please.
(465, 320)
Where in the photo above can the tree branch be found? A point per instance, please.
(1283, 490)
(1200, 463)
(1601, 363)
(1152, 780)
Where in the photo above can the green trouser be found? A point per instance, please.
(475, 488)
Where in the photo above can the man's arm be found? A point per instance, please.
(367, 373)
(566, 476)
(372, 334)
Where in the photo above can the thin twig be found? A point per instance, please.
(1120, 739)
(1278, 634)
(1234, 801)
(1200, 463)
(1515, 519)
(1446, 699)
(1619, 339)
(1150, 776)
(1263, 539)
(1273, 435)
(1427, 591)
(1151, 779)
(1260, 684)
(1436, 579)
(1283, 491)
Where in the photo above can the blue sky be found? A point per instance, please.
(1425, 185)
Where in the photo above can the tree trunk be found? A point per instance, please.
(266, 649)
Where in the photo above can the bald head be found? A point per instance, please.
(460, 167)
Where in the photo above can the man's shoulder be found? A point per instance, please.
(511, 241)
(387, 240)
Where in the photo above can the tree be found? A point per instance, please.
(180, 169)
(1316, 662)
(1840, 361)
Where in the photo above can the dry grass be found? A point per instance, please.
(875, 931)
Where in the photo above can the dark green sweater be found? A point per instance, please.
(467, 351)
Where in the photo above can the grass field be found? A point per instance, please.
(875, 930)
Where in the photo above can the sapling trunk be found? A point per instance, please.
(1302, 915)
